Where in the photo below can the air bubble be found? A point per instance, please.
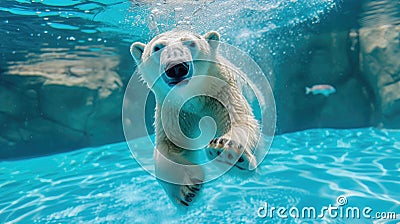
(178, 9)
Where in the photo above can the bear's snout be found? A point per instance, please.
(175, 73)
(178, 71)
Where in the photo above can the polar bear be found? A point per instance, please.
(173, 60)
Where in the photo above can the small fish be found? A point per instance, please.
(325, 90)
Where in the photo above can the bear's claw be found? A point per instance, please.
(230, 152)
(188, 193)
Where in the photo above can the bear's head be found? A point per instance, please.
(173, 58)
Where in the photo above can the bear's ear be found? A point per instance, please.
(137, 49)
(212, 38)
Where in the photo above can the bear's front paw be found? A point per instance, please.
(188, 193)
(230, 152)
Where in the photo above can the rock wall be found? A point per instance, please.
(326, 58)
(380, 58)
(360, 57)
(65, 99)
(380, 65)
(60, 101)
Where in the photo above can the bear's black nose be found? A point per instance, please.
(178, 71)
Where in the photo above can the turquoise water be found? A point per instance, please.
(313, 168)
(309, 168)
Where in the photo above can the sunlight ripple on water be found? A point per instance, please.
(103, 184)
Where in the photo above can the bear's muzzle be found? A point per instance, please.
(177, 73)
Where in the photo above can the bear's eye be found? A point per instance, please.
(191, 44)
(158, 47)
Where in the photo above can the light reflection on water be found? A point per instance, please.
(310, 168)
(380, 12)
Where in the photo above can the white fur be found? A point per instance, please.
(232, 114)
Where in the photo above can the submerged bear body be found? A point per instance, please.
(191, 81)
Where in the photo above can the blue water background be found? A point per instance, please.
(309, 168)
(106, 185)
